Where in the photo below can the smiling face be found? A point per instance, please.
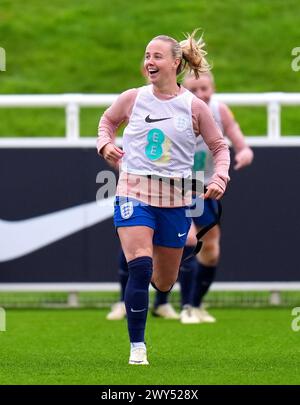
(160, 65)
(203, 87)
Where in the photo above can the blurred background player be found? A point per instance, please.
(196, 274)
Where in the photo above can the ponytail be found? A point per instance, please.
(193, 55)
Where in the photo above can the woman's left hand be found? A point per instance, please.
(213, 191)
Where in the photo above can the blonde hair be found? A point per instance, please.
(190, 75)
(190, 52)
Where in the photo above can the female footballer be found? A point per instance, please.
(163, 122)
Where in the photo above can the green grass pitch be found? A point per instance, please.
(245, 346)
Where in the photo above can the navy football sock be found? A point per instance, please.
(137, 296)
(204, 277)
(123, 274)
(186, 275)
(161, 298)
(187, 250)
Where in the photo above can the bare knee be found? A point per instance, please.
(163, 285)
(210, 253)
(138, 252)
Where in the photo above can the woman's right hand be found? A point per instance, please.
(112, 154)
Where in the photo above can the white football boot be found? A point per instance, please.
(188, 315)
(117, 312)
(203, 315)
(166, 311)
(138, 356)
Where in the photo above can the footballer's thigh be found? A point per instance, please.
(136, 241)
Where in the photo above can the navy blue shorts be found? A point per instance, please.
(209, 211)
(170, 225)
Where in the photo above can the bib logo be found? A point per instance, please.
(181, 123)
(154, 147)
(2, 60)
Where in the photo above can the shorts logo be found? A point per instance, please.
(180, 235)
(126, 210)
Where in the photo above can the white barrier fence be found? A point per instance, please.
(73, 289)
(73, 102)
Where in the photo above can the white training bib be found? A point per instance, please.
(203, 160)
(159, 138)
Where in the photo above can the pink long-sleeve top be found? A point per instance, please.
(203, 125)
(232, 129)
